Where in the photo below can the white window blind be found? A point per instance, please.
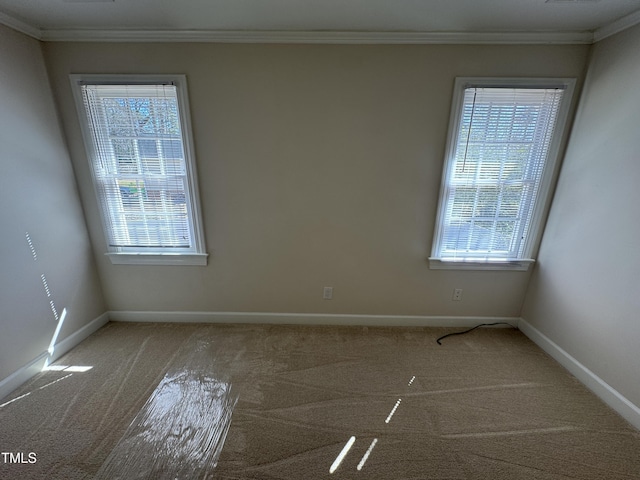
(497, 159)
(139, 167)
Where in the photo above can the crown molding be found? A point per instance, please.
(617, 26)
(315, 37)
(320, 37)
(20, 26)
(298, 37)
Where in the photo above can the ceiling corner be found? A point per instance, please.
(20, 26)
(617, 26)
(315, 37)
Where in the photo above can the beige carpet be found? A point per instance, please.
(283, 402)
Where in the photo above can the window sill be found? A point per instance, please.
(513, 265)
(193, 259)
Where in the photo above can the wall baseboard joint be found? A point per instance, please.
(599, 387)
(614, 399)
(34, 367)
(23, 374)
(306, 319)
(78, 336)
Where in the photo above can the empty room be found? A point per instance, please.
(295, 239)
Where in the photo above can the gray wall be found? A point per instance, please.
(585, 293)
(38, 196)
(318, 165)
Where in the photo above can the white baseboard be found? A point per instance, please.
(599, 387)
(306, 319)
(23, 374)
(78, 336)
(20, 376)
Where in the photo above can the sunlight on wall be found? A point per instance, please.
(47, 290)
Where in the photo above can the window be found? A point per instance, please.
(136, 131)
(504, 137)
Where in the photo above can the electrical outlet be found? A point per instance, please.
(457, 295)
(327, 293)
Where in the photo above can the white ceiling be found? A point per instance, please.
(550, 21)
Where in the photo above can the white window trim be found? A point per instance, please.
(121, 256)
(475, 264)
(549, 174)
(196, 259)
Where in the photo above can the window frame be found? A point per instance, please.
(194, 255)
(549, 174)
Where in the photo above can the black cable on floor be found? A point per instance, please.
(473, 328)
